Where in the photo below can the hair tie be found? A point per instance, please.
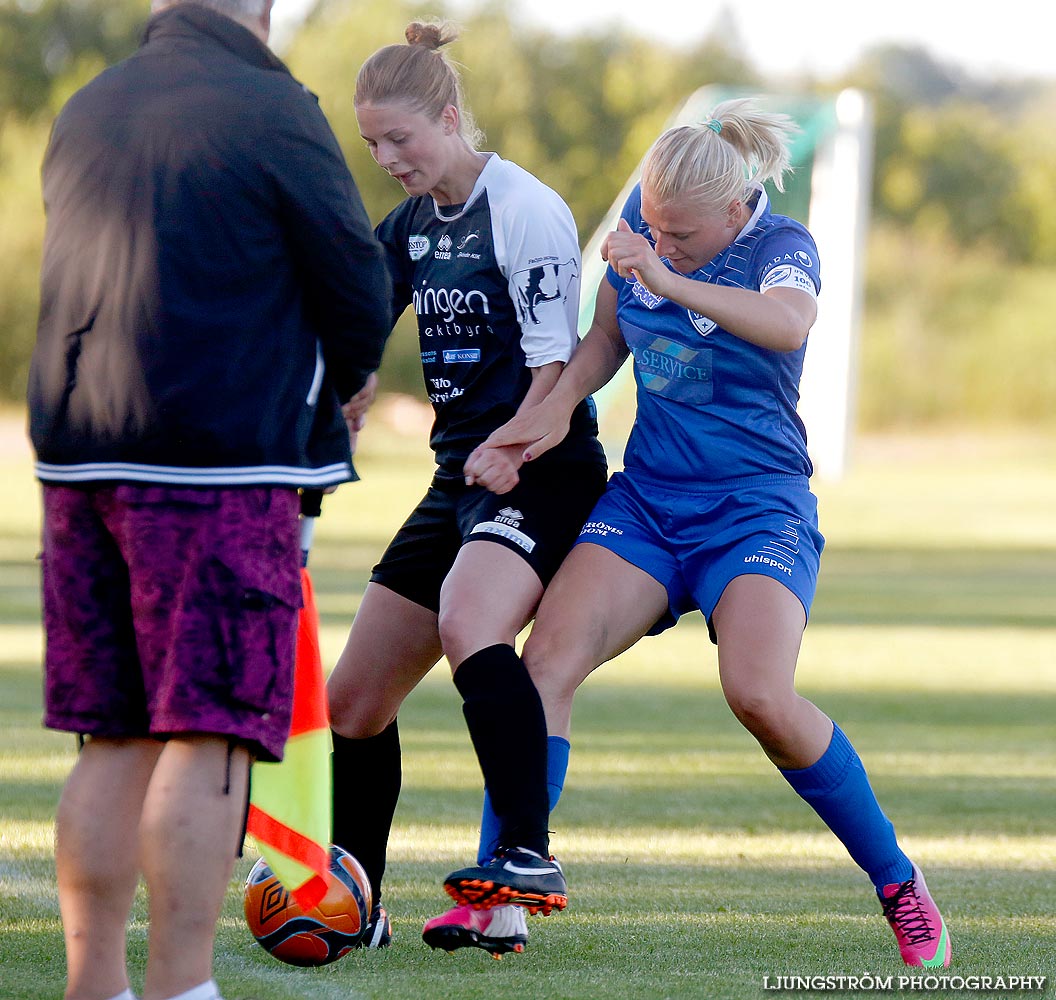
(715, 125)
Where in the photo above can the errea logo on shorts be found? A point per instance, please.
(417, 247)
(510, 516)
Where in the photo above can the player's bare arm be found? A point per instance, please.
(597, 358)
(495, 467)
(778, 319)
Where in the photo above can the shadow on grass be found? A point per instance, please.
(969, 764)
(698, 931)
(963, 763)
(677, 931)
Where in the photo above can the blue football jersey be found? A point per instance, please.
(711, 406)
(494, 285)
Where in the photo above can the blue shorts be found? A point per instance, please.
(695, 541)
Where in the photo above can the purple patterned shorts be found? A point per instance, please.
(170, 610)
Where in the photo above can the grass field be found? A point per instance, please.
(694, 871)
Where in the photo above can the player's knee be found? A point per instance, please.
(555, 666)
(465, 629)
(459, 629)
(357, 718)
(762, 713)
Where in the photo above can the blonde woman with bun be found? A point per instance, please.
(488, 258)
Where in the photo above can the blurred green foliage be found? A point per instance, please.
(578, 112)
(962, 254)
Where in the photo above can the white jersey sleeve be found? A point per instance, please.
(537, 250)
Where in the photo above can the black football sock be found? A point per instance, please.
(508, 728)
(367, 777)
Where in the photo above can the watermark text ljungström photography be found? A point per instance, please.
(920, 983)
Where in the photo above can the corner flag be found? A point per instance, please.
(290, 804)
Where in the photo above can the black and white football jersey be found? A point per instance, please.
(494, 284)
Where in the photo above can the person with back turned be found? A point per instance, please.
(211, 295)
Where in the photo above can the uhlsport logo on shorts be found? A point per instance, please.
(417, 247)
(780, 553)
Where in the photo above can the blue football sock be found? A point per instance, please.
(557, 750)
(838, 790)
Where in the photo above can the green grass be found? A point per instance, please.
(694, 871)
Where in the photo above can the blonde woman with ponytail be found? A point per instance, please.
(712, 297)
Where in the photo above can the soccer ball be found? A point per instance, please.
(320, 935)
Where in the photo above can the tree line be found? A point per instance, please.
(963, 170)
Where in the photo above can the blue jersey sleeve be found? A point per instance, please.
(632, 215)
(790, 247)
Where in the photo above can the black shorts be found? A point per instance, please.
(539, 519)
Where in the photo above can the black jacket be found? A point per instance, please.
(206, 252)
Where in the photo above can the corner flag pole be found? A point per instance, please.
(290, 802)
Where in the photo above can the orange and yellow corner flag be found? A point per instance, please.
(290, 804)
